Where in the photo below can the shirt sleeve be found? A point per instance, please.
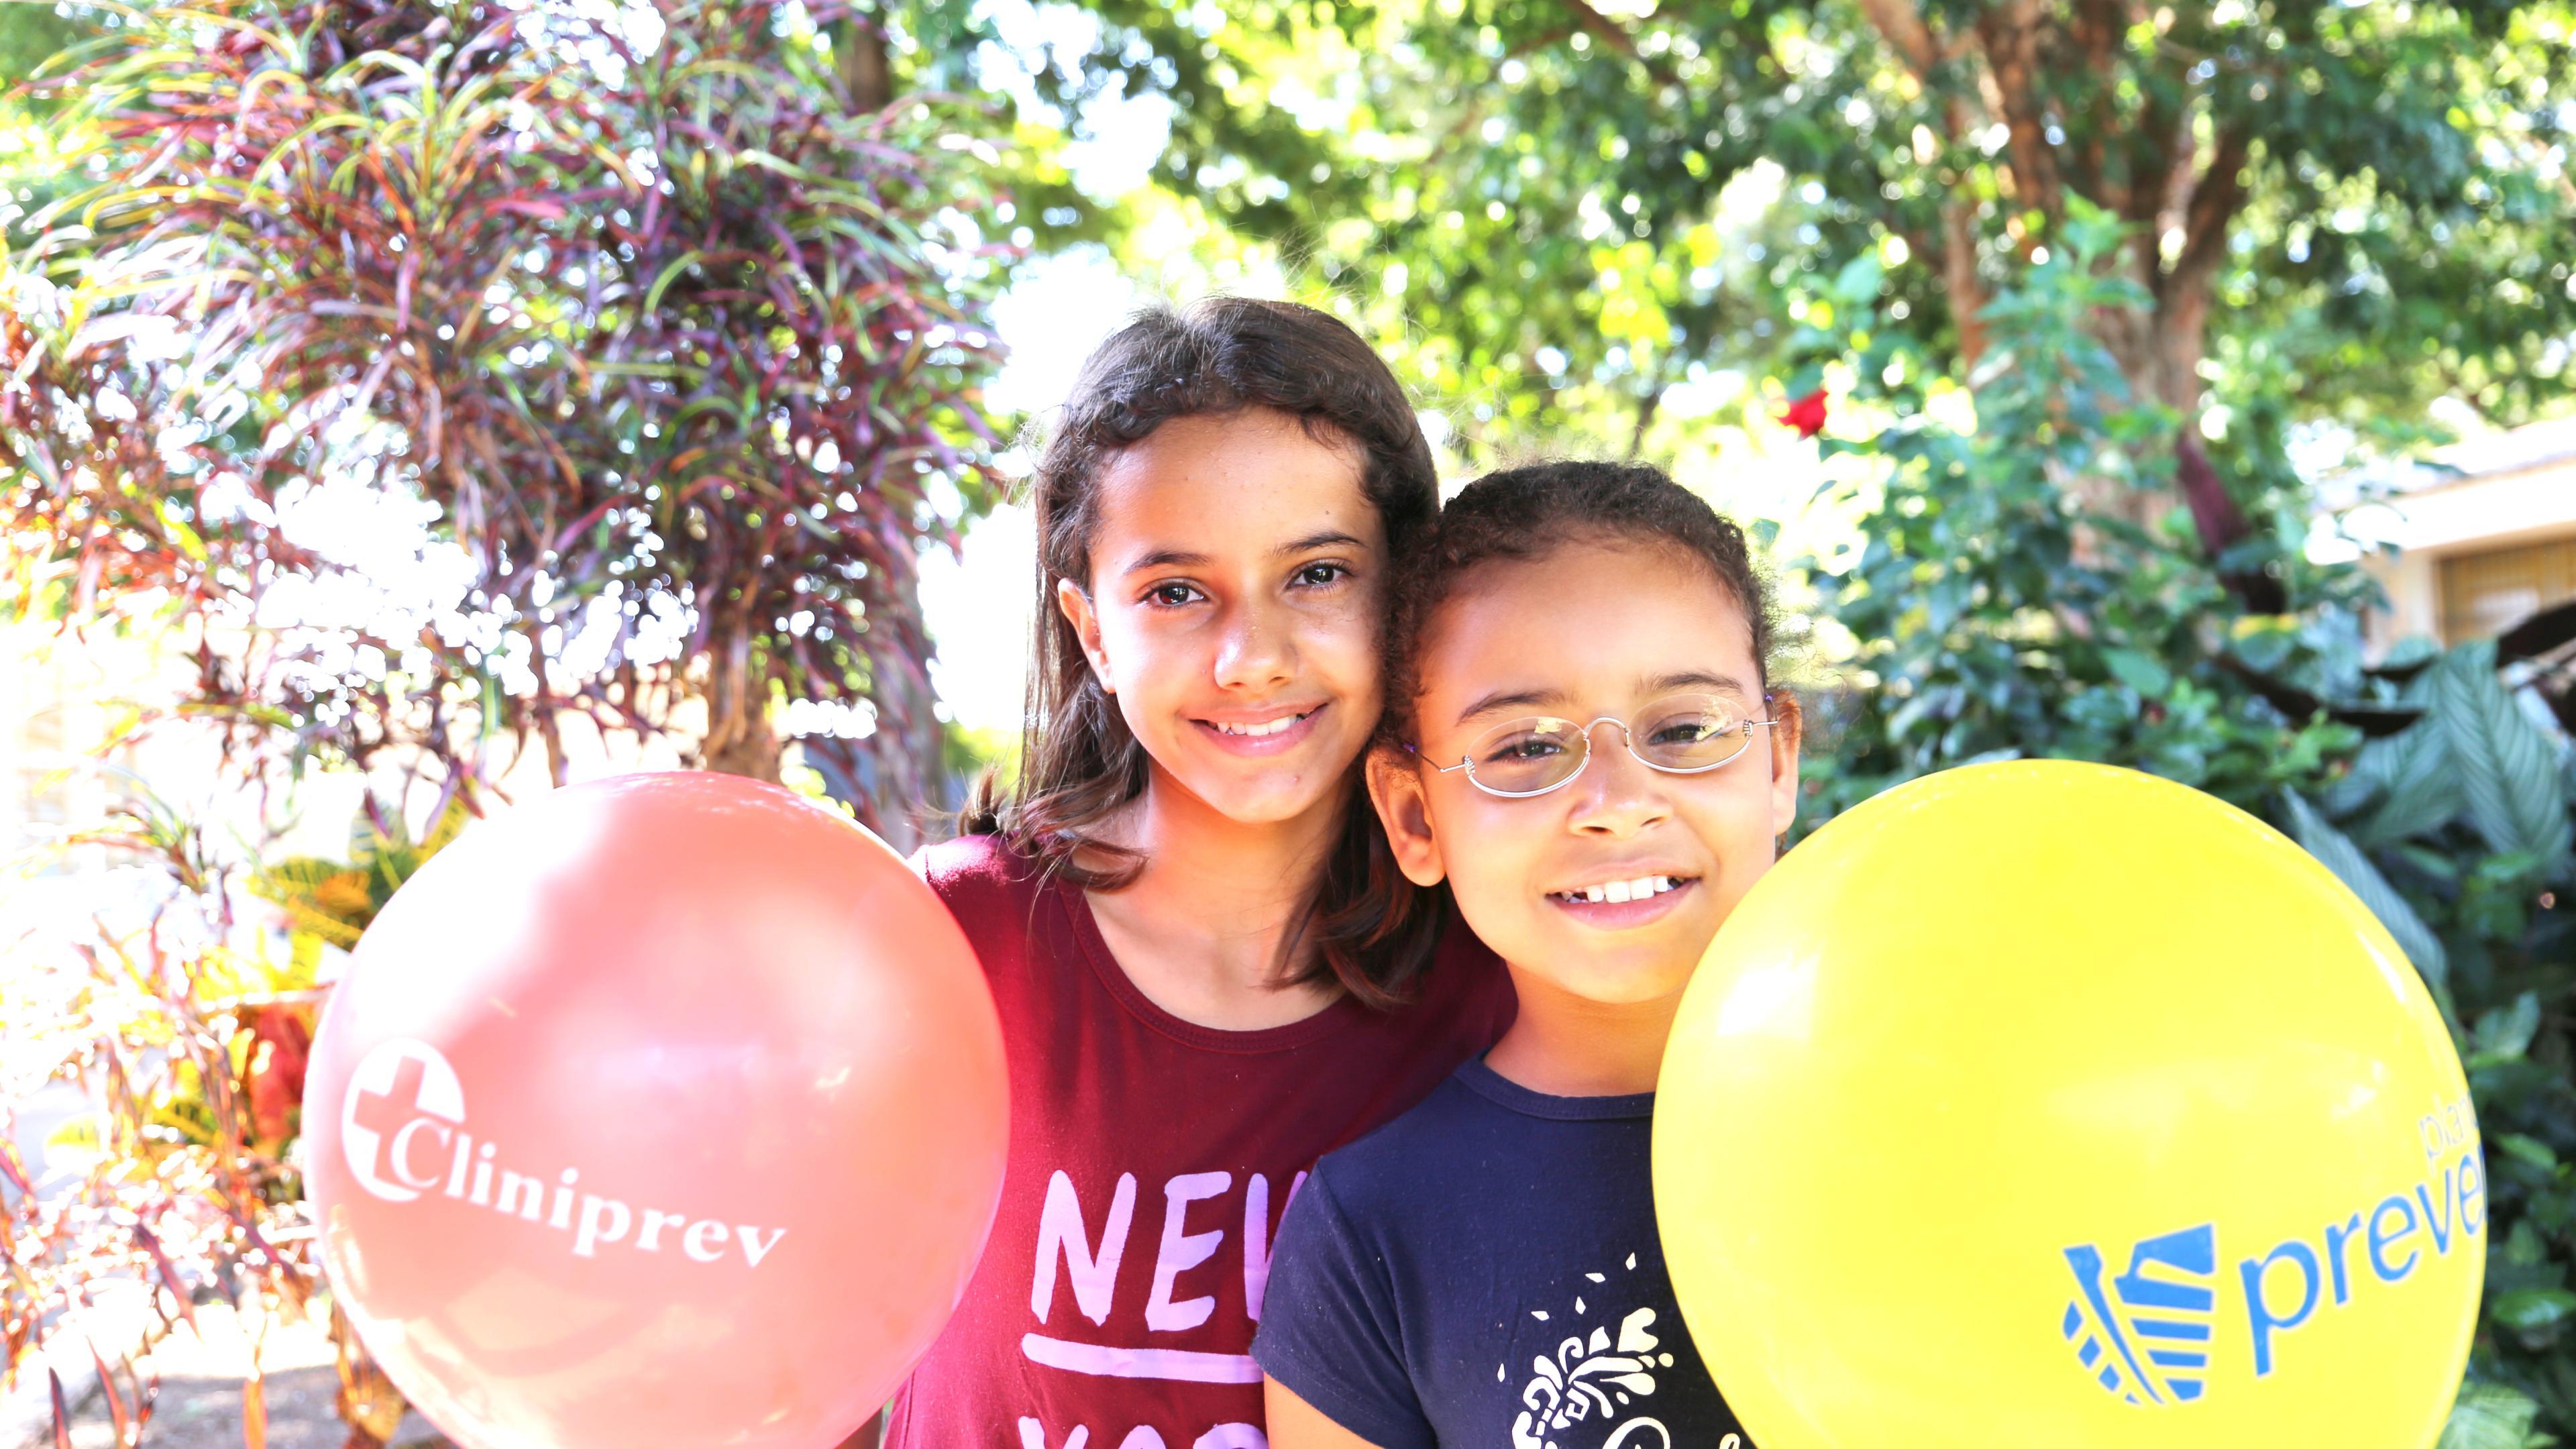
(1329, 1327)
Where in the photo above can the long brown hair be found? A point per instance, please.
(1369, 928)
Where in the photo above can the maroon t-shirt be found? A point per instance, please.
(1150, 1162)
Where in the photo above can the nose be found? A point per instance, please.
(1616, 795)
(1256, 650)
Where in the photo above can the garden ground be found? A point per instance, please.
(200, 1404)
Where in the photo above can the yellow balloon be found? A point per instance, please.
(2049, 1105)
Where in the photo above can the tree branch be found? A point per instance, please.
(2096, 31)
(1924, 54)
(2215, 198)
(1555, 35)
(2010, 33)
(2159, 149)
(1960, 282)
(861, 50)
(1616, 37)
(1904, 27)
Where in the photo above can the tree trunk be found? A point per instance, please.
(909, 747)
(911, 782)
(2160, 357)
(367, 1402)
(739, 740)
(2149, 172)
(756, 754)
(1959, 279)
(859, 46)
(2160, 348)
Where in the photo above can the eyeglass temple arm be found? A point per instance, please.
(1416, 752)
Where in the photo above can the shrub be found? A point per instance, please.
(1995, 619)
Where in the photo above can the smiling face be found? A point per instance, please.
(1233, 610)
(1608, 887)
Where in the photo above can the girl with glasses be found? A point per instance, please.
(1582, 745)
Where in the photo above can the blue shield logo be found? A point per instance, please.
(2144, 1335)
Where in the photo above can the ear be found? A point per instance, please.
(1395, 788)
(1788, 733)
(1076, 606)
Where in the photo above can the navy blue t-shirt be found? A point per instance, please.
(1483, 1272)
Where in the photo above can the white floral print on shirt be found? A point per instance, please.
(1587, 1393)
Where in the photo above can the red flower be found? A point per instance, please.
(1807, 414)
(274, 1075)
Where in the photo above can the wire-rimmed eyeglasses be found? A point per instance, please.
(1680, 734)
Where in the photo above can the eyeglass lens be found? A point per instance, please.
(1680, 732)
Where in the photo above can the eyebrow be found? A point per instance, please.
(1327, 538)
(1552, 698)
(1511, 699)
(1696, 679)
(1163, 558)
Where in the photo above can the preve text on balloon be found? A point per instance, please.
(2387, 1241)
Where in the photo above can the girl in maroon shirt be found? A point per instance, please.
(1208, 967)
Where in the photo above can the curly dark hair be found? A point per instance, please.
(1525, 513)
(1078, 761)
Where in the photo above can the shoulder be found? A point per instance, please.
(1466, 994)
(1384, 1171)
(990, 888)
(972, 866)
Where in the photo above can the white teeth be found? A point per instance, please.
(1258, 731)
(1619, 892)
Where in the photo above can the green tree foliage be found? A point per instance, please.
(682, 348)
(32, 143)
(1536, 187)
(1993, 617)
(1997, 618)
(31, 35)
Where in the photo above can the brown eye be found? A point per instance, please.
(1522, 749)
(1686, 731)
(1320, 575)
(1172, 596)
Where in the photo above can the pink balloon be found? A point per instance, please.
(665, 1111)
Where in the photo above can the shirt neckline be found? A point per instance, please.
(1494, 1087)
(1084, 927)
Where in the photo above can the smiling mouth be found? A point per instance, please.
(1621, 892)
(1264, 730)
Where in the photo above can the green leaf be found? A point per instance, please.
(2138, 671)
(2533, 1310)
(2505, 1032)
(2488, 1416)
(2527, 1149)
(2418, 790)
(2507, 766)
(687, 259)
(2337, 853)
(1858, 283)
(2523, 1247)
